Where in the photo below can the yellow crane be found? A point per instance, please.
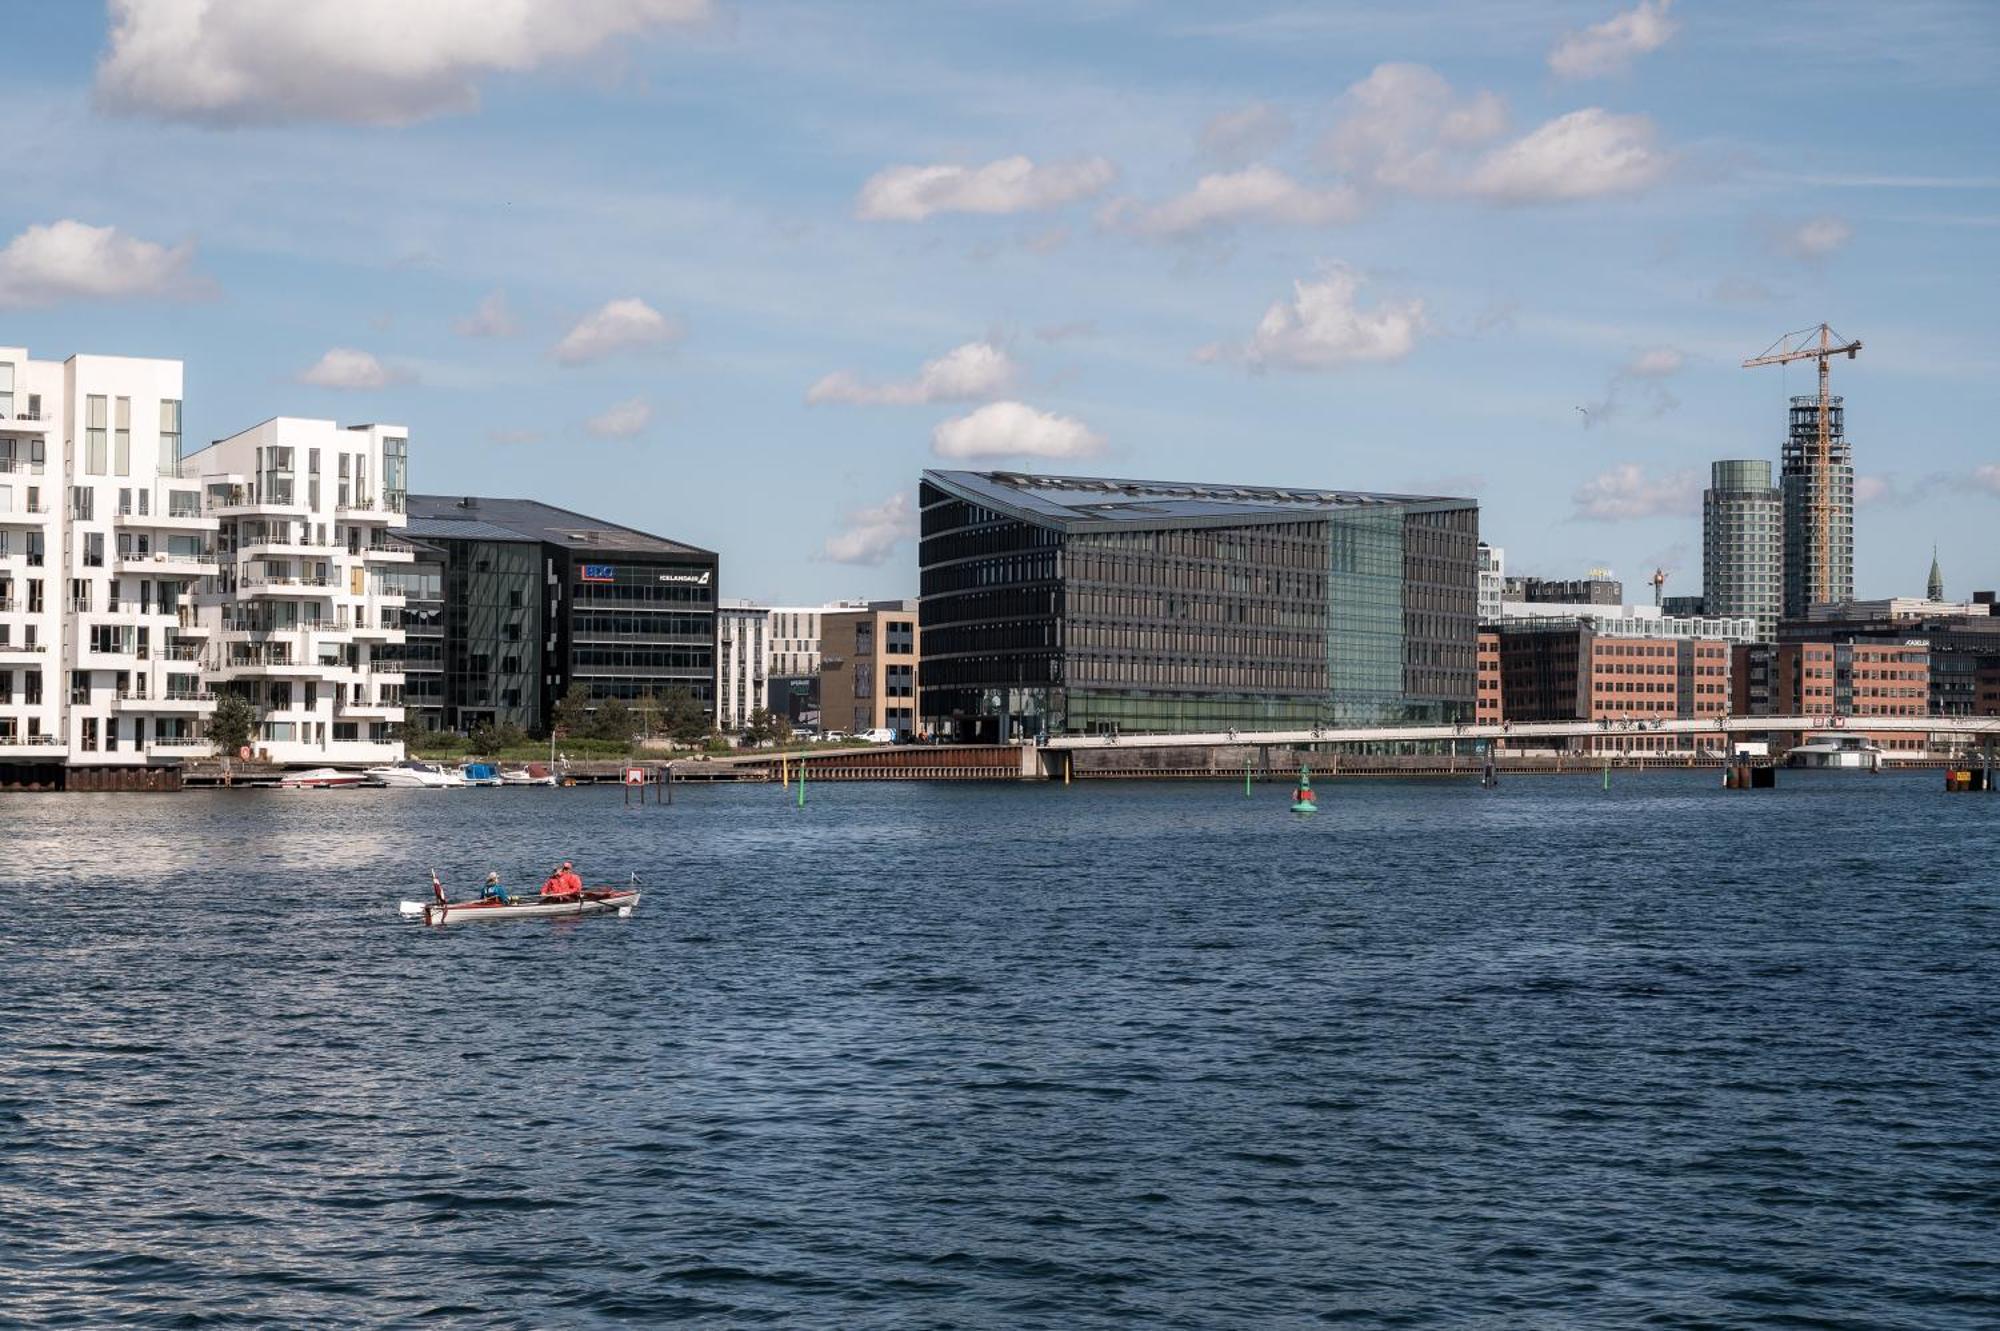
(1828, 346)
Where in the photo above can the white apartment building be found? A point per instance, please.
(100, 544)
(299, 613)
(755, 644)
(1492, 581)
(742, 662)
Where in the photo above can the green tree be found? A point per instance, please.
(682, 717)
(766, 726)
(613, 721)
(232, 725)
(488, 738)
(572, 715)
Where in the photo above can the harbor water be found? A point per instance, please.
(1121, 1054)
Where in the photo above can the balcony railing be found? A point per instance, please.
(24, 647)
(27, 414)
(283, 580)
(9, 607)
(41, 740)
(181, 651)
(20, 465)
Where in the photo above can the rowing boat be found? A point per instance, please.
(594, 901)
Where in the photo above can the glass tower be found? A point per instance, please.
(1742, 545)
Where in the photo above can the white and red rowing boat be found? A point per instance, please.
(594, 901)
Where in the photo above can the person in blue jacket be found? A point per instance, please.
(493, 891)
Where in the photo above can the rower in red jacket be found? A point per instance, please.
(563, 884)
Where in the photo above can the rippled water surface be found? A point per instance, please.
(1145, 1054)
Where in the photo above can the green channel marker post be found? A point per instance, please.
(1246, 779)
(802, 785)
(1607, 774)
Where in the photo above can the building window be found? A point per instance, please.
(170, 431)
(95, 441)
(121, 439)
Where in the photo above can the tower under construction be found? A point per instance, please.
(1804, 488)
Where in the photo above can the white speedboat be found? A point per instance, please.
(414, 776)
(1850, 752)
(534, 774)
(321, 778)
(479, 774)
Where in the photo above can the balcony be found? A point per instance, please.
(189, 621)
(23, 652)
(19, 466)
(42, 748)
(238, 502)
(175, 519)
(176, 700)
(286, 584)
(202, 565)
(269, 662)
(264, 547)
(25, 422)
(371, 711)
(24, 514)
(383, 507)
(179, 748)
(387, 552)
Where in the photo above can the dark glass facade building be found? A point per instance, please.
(1067, 605)
(537, 598)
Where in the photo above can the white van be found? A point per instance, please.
(879, 735)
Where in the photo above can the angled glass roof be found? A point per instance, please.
(1080, 501)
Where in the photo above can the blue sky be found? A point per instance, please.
(735, 273)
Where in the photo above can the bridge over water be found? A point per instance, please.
(1973, 729)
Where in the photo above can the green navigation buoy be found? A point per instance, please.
(1302, 798)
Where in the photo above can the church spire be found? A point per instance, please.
(1936, 588)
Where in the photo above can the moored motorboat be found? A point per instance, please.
(534, 774)
(1851, 752)
(414, 775)
(479, 774)
(321, 778)
(594, 901)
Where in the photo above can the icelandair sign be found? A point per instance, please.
(609, 573)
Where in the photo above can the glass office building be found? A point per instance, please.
(537, 598)
(1067, 605)
(1742, 545)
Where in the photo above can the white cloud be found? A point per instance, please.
(1582, 155)
(1610, 47)
(1257, 193)
(1404, 128)
(370, 62)
(614, 327)
(1014, 429)
(344, 367)
(1010, 185)
(70, 260)
(963, 374)
(1239, 137)
(1322, 328)
(1815, 239)
(1627, 492)
(491, 319)
(621, 420)
(1654, 363)
(872, 534)
(1987, 478)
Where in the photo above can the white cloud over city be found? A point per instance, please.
(614, 327)
(50, 263)
(1009, 185)
(364, 62)
(353, 369)
(1325, 326)
(966, 373)
(1014, 430)
(1610, 47)
(1628, 492)
(872, 534)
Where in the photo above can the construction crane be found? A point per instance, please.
(1782, 352)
